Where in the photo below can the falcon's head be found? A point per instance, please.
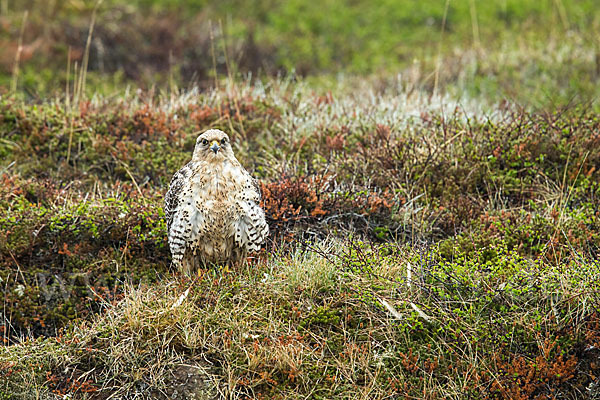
(213, 145)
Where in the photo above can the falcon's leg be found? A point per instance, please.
(197, 265)
(187, 264)
(238, 257)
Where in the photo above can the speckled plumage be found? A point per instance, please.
(212, 207)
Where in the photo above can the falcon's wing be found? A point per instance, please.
(251, 228)
(256, 187)
(172, 197)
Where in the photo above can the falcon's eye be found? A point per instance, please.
(204, 142)
(223, 141)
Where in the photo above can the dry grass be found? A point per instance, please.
(330, 322)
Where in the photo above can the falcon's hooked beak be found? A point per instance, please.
(214, 146)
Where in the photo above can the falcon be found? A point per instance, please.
(212, 208)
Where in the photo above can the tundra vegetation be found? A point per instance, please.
(430, 174)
